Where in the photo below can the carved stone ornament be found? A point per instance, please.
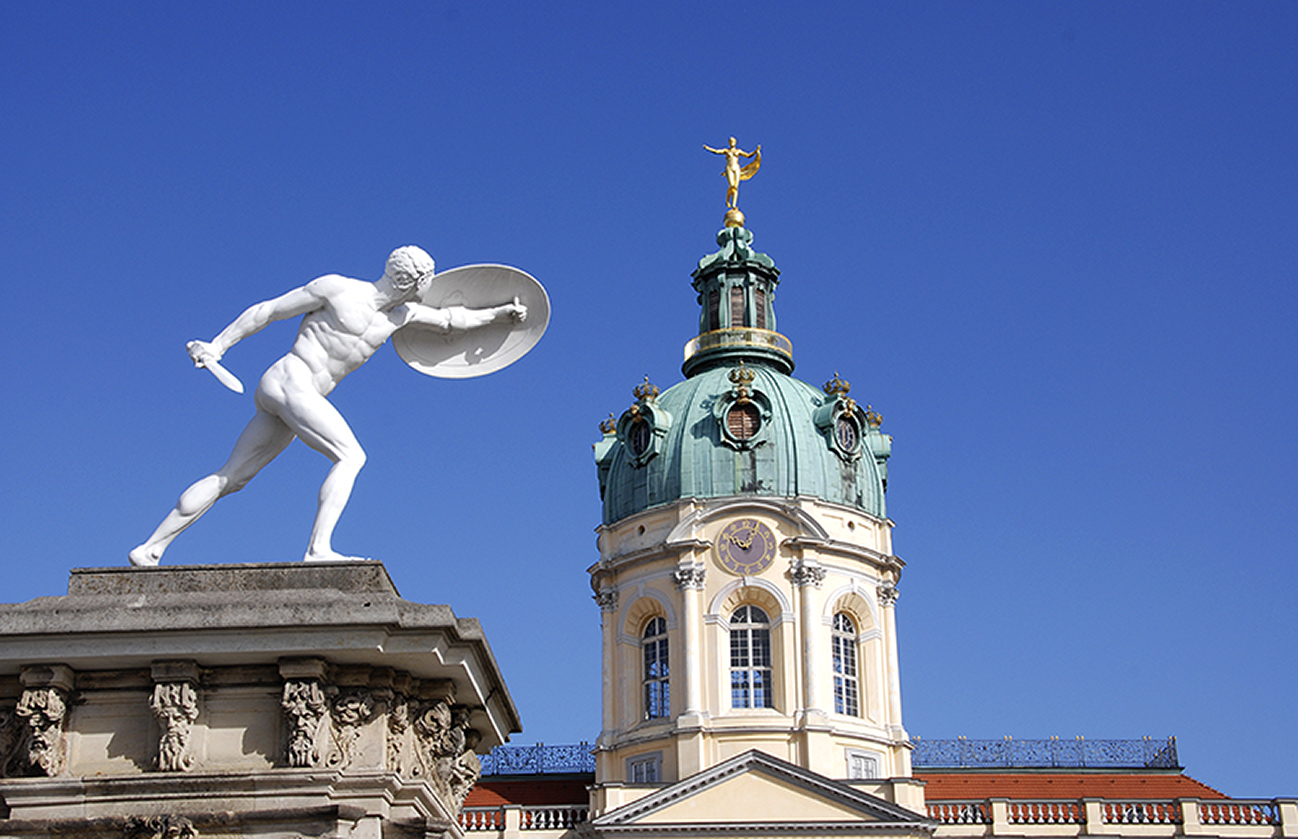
(44, 709)
(349, 712)
(10, 734)
(808, 574)
(691, 577)
(440, 748)
(887, 594)
(304, 709)
(175, 705)
(160, 827)
(607, 600)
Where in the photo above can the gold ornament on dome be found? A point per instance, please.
(646, 390)
(735, 173)
(873, 417)
(609, 425)
(836, 386)
(741, 377)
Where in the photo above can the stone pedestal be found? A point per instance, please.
(265, 700)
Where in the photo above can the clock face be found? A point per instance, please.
(746, 547)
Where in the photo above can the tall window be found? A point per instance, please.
(657, 691)
(737, 307)
(750, 658)
(846, 687)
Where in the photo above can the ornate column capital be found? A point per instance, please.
(808, 572)
(690, 576)
(607, 599)
(887, 594)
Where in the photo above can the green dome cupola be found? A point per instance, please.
(740, 424)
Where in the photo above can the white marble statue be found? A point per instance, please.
(344, 322)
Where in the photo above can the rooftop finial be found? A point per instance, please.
(648, 390)
(734, 174)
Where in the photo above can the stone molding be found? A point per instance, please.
(888, 594)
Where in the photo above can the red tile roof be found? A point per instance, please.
(941, 786)
(954, 786)
(542, 790)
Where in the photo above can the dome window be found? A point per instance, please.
(643, 426)
(846, 434)
(742, 421)
(743, 412)
(640, 436)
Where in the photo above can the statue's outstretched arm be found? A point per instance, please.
(714, 151)
(459, 319)
(257, 317)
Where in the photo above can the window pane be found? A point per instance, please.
(737, 306)
(762, 647)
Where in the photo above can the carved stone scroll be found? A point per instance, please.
(350, 710)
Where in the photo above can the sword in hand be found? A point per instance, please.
(203, 356)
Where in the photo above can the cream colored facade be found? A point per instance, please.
(828, 560)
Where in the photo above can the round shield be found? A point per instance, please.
(485, 349)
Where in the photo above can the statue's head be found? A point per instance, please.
(732, 142)
(409, 268)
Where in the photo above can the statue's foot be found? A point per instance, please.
(332, 556)
(145, 556)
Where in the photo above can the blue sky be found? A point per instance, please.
(1052, 243)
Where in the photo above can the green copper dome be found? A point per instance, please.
(740, 424)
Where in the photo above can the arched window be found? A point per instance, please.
(657, 691)
(750, 658)
(846, 688)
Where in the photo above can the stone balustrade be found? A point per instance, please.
(1094, 816)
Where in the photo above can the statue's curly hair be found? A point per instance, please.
(407, 265)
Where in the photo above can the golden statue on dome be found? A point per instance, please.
(734, 174)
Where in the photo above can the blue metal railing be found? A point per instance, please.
(960, 753)
(538, 760)
(963, 753)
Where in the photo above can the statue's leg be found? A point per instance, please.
(322, 428)
(262, 439)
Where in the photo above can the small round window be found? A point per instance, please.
(742, 421)
(845, 434)
(640, 436)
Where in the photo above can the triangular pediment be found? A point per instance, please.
(755, 791)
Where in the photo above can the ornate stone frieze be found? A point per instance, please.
(690, 577)
(887, 594)
(607, 600)
(44, 710)
(304, 707)
(160, 827)
(175, 706)
(808, 573)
